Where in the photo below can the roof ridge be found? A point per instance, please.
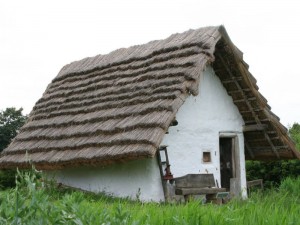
(141, 52)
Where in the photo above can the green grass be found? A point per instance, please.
(32, 202)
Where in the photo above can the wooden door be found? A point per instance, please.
(227, 165)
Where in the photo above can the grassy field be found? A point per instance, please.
(32, 203)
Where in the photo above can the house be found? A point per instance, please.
(188, 100)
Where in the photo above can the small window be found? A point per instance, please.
(206, 157)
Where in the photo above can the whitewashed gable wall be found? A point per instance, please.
(201, 119)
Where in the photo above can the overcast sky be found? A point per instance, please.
(37, 38)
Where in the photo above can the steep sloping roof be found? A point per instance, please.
(118, 106)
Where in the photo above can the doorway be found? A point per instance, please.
(227, 162)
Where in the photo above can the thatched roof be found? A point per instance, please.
(117, 107)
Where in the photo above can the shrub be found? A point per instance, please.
(7, 179)
(273, 173)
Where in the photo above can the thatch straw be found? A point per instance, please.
(114, 91)
(117, 107)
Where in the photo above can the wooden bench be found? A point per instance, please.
(253, 183)
(197, 184)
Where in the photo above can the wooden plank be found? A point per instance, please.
(246, 111)
(275, 138)
(267, 148)
(249, 111)
(254, 127)
(239, 91)
(244, 100)
(252, 183)
(254, 121)
(195, 181)
(263, 139)
(231, 80)
(198, 191)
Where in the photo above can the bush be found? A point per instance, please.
(7, 179)
(11, 120)
(273, 173)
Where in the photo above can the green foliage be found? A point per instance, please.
(295, 134)
(7, 178)
(30, 202)
(11, 120)
(272, 172)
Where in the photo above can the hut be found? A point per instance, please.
(131, 122)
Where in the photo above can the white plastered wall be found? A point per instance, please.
(138, 179)
(201, 121)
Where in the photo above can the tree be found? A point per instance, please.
(11, 120)
(295, 134)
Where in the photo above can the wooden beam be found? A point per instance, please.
(249, 149)
(254, 127)
(231, 80)
(250, 111)
(198, 191)
(238, 91)
(247, 101)
(272, 145)
(246, 111)
(267, 148)
(254, 121)
(244, 100)
(263, 139)
(258, 182)
(275, 138)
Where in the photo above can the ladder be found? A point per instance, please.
(164, 165)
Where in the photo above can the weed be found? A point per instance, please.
(33, 201)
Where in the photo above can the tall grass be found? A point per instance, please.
(33, 202)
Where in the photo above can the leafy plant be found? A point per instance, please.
(30, 202)
(11, 120)
(294, 132)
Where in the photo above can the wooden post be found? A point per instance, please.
(235, 187)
